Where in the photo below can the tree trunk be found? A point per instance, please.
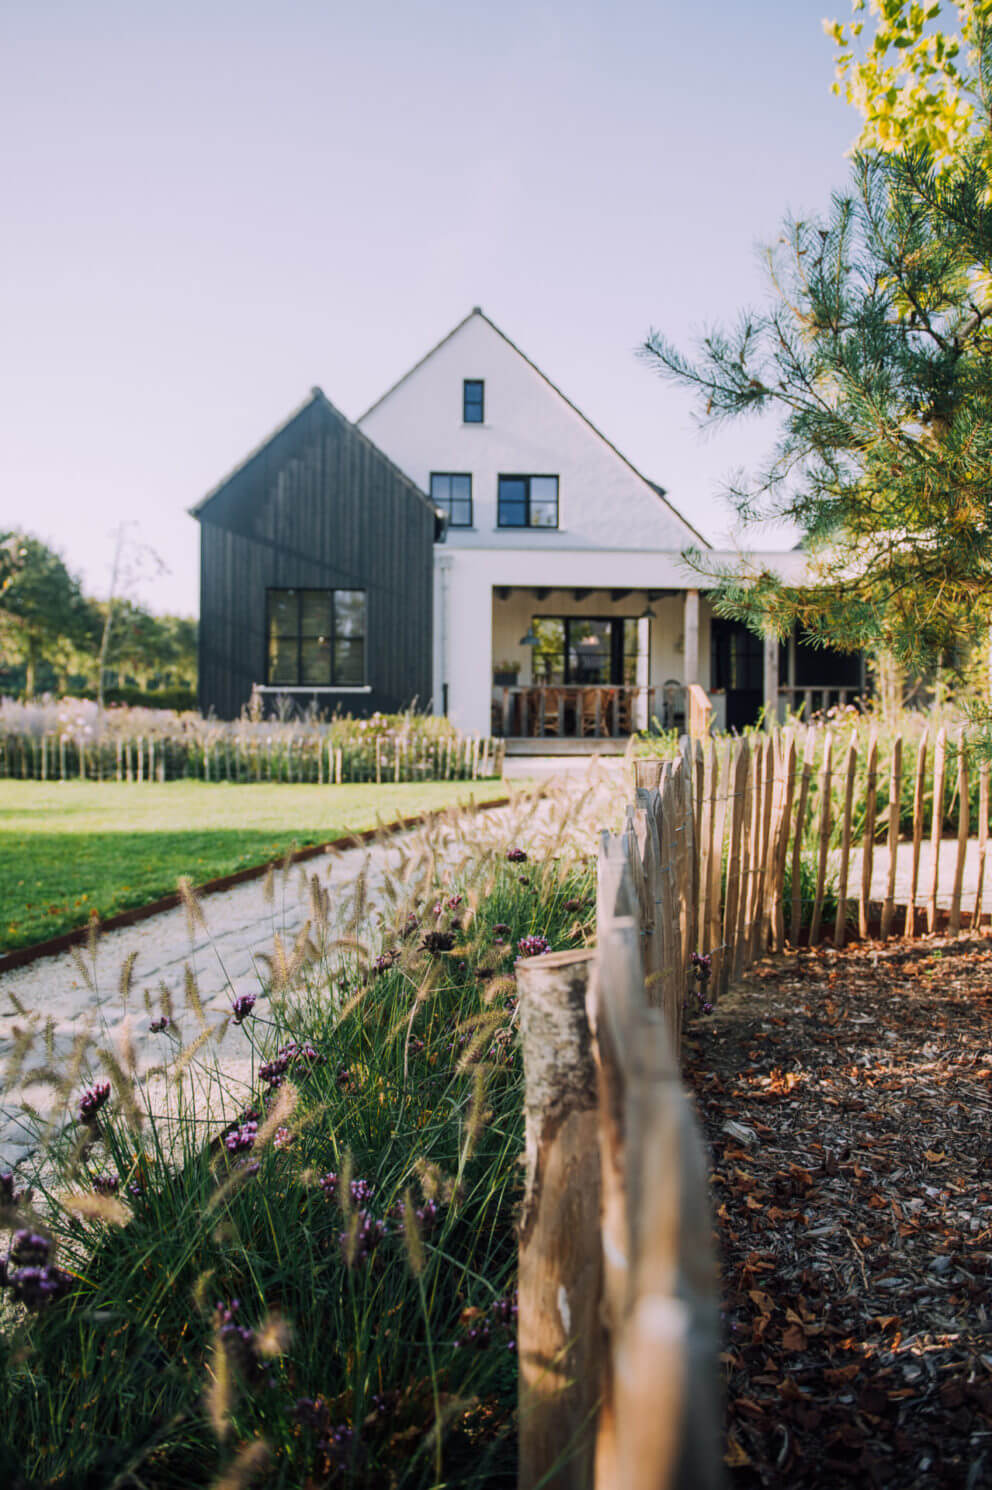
(31, 667)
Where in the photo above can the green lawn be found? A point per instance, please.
(68, 848)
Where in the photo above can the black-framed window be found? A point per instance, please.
(586, 649)
(452, 492)
(528, 502)
(473, 401)
(315, 638)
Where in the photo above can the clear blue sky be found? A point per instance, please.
(208, 208)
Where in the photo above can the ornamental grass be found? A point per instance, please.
(319, 1289)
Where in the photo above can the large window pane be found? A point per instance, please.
(349, 663)
(589, 650)
(315, 613)
(283, 659)
(512, 501)
(284, 613)
(544, 501)
(349, 613)
(315, 661)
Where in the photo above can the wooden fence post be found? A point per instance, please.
(659, 1424)
(983, 835)
(560, 1268)
(919, 787)
(737, 779)
(868, 849)
(824, 840)
(963, 813)
(809, 752)
(892, 841)
(936, 824)
(840, 920)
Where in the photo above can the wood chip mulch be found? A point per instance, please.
(847, 1099)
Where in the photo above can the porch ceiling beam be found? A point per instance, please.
(502, 592)
(619, 594)
(541, 594)
(581, 594)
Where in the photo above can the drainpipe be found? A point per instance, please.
(444, 565)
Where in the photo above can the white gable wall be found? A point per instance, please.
(529, 429)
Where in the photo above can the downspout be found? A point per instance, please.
(444, 564)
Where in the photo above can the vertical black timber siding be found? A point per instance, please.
(318, 506)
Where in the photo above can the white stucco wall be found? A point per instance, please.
(614, 531)
(529, 429)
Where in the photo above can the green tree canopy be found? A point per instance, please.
(874, 348)
(41, 606)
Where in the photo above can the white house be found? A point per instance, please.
(562, 603)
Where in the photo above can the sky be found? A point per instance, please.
(208, 208)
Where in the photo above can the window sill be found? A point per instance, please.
(311, 688)
(511, 529)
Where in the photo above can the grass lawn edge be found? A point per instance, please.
(346, 839)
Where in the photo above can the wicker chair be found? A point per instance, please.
(589, 712)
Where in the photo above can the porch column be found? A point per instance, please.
(771, 680)
(690, 637)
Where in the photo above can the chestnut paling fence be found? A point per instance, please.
(725, 853)
(308, 756)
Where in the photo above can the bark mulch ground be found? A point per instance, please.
(847, 1098)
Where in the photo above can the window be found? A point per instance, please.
(453, 494)
(316, 638)
(473, 400)
(528, 502)
(585, 649)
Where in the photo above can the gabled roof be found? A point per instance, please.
(318, 399)
(658, 491)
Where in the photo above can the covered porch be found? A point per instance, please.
(589, 664)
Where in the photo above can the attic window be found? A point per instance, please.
(473, 400)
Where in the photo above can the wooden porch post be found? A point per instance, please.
(771, 680)
(690, 629)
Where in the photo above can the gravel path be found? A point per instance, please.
(59, 998)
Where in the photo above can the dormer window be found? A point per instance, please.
(473, 400)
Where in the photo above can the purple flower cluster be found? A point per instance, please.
(334, 1440)
(533, 946)
(361, 1191)
(241, 1138)
(158, 1025)
(384, 962)
(291, 1057)
(282, 1138)
(239, 1342)
(29, 1272)
(438, 941)
(702, 966)
(362, 1237)
(427, 1216)
(574, 905)
(92, 1100)
(409, 926)
(242, 1007)
(105, 1184)
(516, 856)
(499, 1319)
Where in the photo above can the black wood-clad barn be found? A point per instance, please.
(316, 573)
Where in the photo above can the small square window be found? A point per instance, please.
(452, 492)
(473, 400)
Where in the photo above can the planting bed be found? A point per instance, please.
(854, 1208)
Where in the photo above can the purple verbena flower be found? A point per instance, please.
(329, 1184)
(242, 1007)
(9, 1197)
(282, 1138)
(29, 1249)
(37, 1286)
(516, 856)
(92, 1100)
(242, 1138)
(158, 1025)
(438, 941)
(533, 946)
